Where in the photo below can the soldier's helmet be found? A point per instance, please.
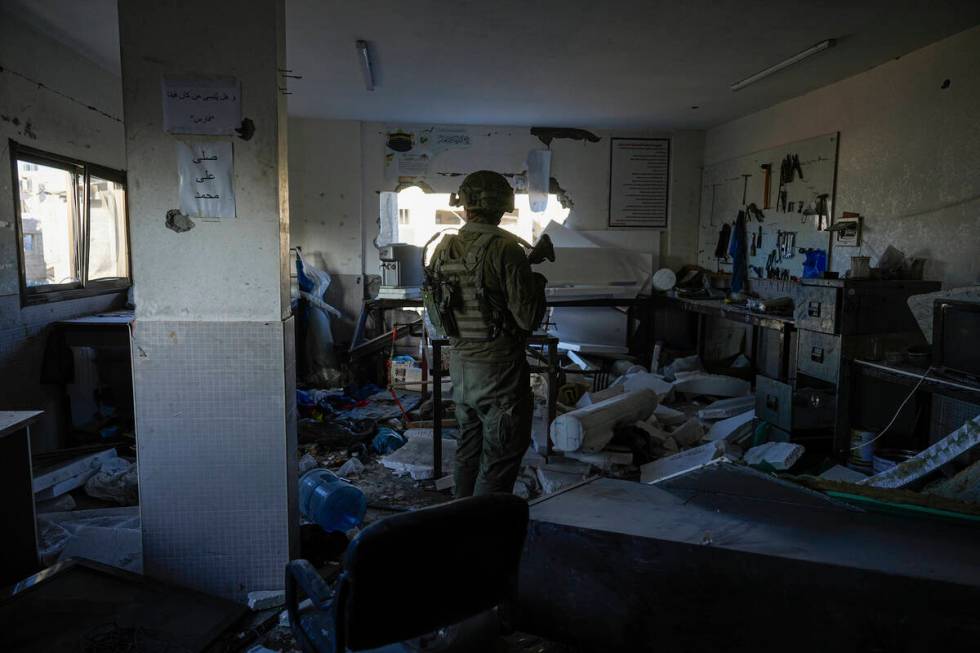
(485, 190)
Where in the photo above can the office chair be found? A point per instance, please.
(411, 574)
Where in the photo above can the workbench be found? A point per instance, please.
(784, 326)
(20, 558)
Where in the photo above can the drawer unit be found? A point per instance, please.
(816, 309)
(803, 409)
(818, 355)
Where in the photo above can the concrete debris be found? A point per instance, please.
(54, 482)
(732, 428)
(415, 457)
(590, 398)
(689, 433)
(843, 474)
(64, 503)
(712, 385)
(527, 484)
(686, 364)
(565, 465)
(669, 416)
(306, 463)
(727, 407)
(604, 459)
(640, 380)
(946, 450)
(780, 456)
(353, 467)
(553, 481)
(682, 463)
(115, 481)
(964, 486)
(582, 362)
(447, 482)
(658, 435)
(265, 599)
(590, 429)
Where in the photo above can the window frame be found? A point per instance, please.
(82, 172)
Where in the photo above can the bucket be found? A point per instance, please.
(334, 504)
(888, 458)
(862, 450)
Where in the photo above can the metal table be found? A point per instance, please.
(550, 343)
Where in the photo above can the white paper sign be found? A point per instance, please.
(206, 173)
(638, 182)
(202, 106)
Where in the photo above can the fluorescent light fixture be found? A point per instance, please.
(796, 58)
(365, 58)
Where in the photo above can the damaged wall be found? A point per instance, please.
(44, 118)
(909, 153)
(327, 193)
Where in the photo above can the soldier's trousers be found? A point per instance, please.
(493, 407)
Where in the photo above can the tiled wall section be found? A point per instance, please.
(216, 465)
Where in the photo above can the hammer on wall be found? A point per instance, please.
(767, 169)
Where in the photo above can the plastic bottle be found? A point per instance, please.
(329, 501)
(387, 441)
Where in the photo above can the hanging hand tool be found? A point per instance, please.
(752, 246)
(745, 187)
(766, 185)
(753, 211)
(796, 166)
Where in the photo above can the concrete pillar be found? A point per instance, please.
(213, 360)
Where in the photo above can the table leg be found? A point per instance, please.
(552, 392)
(436, 410)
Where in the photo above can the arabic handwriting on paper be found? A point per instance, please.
(201, 106)
(206, 175)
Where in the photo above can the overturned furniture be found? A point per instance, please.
(726, 558)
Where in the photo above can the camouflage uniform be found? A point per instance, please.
(491, 387)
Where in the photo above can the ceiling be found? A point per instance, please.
(581, 63)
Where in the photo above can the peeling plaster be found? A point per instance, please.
(178, 222)
(548, 134)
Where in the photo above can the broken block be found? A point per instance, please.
(54, 482)
(946, 450)
(729, 429)
(552, 481)
(714, 385)
(727, 407)
(689, 433)
(655, 382)
(604, 459)
(591, 428)
(669, 416)
(445, 483)
(682, 463)
(778, 455)
(265, 599)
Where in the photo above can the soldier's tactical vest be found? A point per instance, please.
(475, 314)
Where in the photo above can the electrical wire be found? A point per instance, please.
(897, 413)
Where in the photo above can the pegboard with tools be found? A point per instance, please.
(788, 195)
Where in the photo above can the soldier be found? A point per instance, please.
(482, 294)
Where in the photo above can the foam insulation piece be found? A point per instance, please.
(689, 433)
(682, 463)
(727, 407)
(590, 429)
(727, 429)
(590, 398)
(640, 380)
(778, 455)
(954, 445)
(604, 459)
(54, 482)
(843, 474)
(714, 385)
(669, 416)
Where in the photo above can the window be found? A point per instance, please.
(448, 217)
(404, 216)
(73, 230)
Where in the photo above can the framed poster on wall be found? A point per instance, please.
(639, 176)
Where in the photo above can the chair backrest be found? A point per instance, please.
(413, 573)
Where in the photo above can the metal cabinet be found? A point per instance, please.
(793, 409)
